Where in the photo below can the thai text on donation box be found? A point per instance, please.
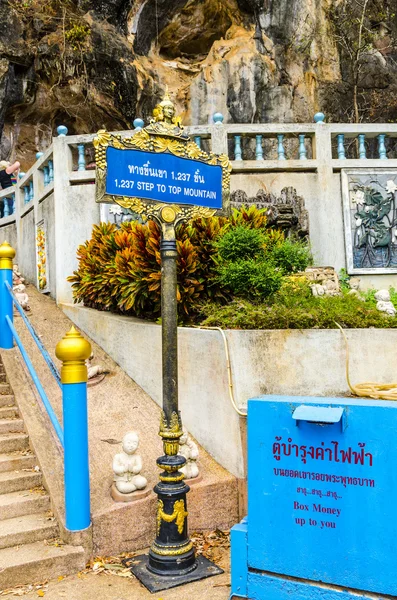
(322, 492)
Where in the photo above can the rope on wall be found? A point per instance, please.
(229, 369)
(378, 391)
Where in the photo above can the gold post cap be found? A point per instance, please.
(7, 254)
(73, 350)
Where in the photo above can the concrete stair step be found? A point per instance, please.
(8, 412)
(15, 481)
(38, 562)
(22, 503)
(17, 462)
(7, 400)
(11, 425)
(27, 529)
(3, 378)
(12, 442)
(5, 388)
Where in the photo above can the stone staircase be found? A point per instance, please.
(29, 549)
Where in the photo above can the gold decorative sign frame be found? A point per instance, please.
(164, 134)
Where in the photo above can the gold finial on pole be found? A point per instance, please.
(7, 253)
(73, 350)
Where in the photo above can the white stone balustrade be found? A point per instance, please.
(270, 156)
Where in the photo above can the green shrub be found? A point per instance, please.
(120, 270)
(250, 278)
(241, 243)
(291, 257)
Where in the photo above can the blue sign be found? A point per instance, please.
(163, 178)
(322, 490)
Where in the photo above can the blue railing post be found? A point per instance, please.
(237, 148)
(7, 254)
(362, 153)
(341, 146)
(280, 147)
(302, 147)
(382, 146)
(81, 159)
(73, 350)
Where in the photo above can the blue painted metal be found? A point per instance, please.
(341, 146)
(302, 147)
(77, 480)
(46, 175)
(62, 131)
(26, 194)
(51, 170)
(258, 148)
(319, 117)
(138, 123)
(362, 153)
(262, 586)
(237, 148)
(6, 207)
(13, 204)
(81, 159)
(163, 177)
(382, 146)
(197, 140)
(318, 414)
(31, 191)
(218, 118)
(280, 147)
(36, 380)
(6, 341)
(39, 155)
(36, 338)
(319, 500)
(239, 558)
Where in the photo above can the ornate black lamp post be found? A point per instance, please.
(171, 560)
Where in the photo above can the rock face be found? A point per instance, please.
(95, 63)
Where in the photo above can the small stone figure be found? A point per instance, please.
(354, 285)
(94, 371)
(21, 295)
(127, 466)
(384, 303)
(189, 450)
(16, 276)
(317, 289)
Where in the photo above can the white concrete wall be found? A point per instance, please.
(8, 233)
(203, 385)
(286, 362)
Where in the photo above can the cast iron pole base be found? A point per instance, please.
(156, 583)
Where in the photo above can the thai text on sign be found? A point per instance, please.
(163, 178)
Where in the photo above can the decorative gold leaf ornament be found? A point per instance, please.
(164, 134)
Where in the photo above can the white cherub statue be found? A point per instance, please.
(127, 466)
(384, 303)
(21, 295)
(189, 450)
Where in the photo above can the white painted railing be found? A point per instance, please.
(250, 147)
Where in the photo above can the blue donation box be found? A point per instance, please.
(322, 496)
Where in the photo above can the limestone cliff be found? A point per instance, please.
(94, 63)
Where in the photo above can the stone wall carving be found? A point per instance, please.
(286, 211)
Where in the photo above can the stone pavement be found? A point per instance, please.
(93, 586)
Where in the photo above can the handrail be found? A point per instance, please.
(34, 335)
(36, 381)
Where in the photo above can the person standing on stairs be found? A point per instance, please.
(6, 171)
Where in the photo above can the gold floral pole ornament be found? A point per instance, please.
(161, 174)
